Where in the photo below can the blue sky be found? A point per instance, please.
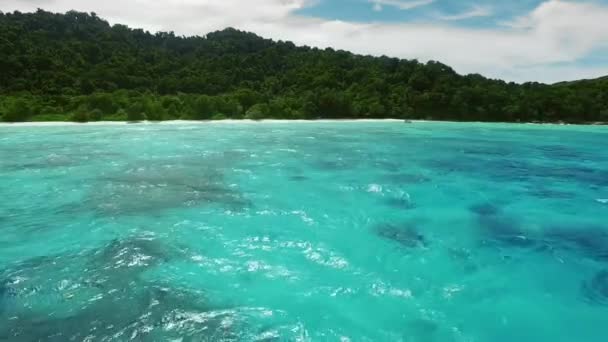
(518, 40)
(438, 10)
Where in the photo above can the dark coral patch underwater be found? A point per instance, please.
(156, 187)
(107, 300)
(405, 235)
(587, 241)
(595, 290)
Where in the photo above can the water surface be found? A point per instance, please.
(325, 231)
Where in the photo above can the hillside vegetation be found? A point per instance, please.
(76, 66)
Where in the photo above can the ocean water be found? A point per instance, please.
(321, 231)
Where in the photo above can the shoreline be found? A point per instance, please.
(182, 122)
(247, 121)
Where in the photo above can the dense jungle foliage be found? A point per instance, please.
(76, 66)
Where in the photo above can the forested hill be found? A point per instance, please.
(76, 66)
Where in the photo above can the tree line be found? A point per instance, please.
(76, 66)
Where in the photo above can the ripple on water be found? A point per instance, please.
(86, 290)
(147, 312)
(548, 193)
(132, 254)
(407, 178)
(401, 200)
(325, 258)
(318, 257)
(560, 152)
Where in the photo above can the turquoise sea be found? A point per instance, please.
(318, 231)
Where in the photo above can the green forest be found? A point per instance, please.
(76, 66)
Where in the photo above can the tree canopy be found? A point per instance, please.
(76, 66)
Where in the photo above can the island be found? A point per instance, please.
(77, 67)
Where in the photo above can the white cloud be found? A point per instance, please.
(555, 73)
(474, 12)
(543, 45)
(182, 16)
(400, 4)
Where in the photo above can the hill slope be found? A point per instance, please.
(53, 64)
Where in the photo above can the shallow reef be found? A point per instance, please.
(154, 188)
(587, 241)
(101, 296)
(145, 312)
(485, 209)
(403, 202)
(316, 231)
(401, 178)
(406, 235)
(496, 227)
(595, 290)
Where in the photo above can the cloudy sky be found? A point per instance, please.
(516, 40)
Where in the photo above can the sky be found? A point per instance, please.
(515, 40)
